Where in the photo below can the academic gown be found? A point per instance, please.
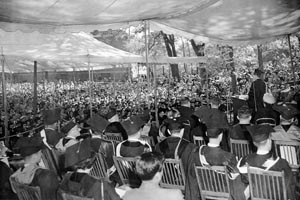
(116, 127)
(52, 136)
(256, 160)
(171, 145)
(214, 156)
(83, 185)
(5, 189)
(36, 176)
(240, 132)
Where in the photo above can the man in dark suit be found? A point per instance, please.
(256, 92)
(32, 174)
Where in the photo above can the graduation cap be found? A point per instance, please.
(97, 123)
(260, 133)
(30, 145)
(286, 111)
(51, 116)
(78, 152)
(176, 124)
(66, 128)
(202, 112)
(133, 125)
(216, 122)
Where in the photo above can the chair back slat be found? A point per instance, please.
(51, 161)
(116, 138)
(99, 169)
(126, 169)
(199, 140)
(173, 174)
(266, 184)
(148, 139)
(289, 150)
(213, 182)
(239, 148)
(25, 192)
(69, 196)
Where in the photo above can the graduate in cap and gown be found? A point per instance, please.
(50, 133)
(133, 146)
(286, 131)
(114, 125)
(213, 155)
(79, 161)
(32, 174)
(265, 159)
(72, 131)
(175, 146)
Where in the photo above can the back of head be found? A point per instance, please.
(215, 100)
(148, 164)
(244, 112)
(185, 101)
(258, 72)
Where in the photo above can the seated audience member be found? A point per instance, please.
(72, 131)
(239, 131)
(149, 168)
(213, 155)
(50, 134)
(132, 146)
(264, 158)
(5, 172)
(175, 146)
(79, 161)
(286, 130)
(32, 174)
(115, 126)
(267, 111)
(186, 112)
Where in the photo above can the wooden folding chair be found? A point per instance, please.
(199, 140)
(126, 169)
(173, 174)
(266, 121)
(69, 196)
(51, 161)
(25, 192)
(148, 139)
(116, 138)
(239, 148)
(213, 182)
(99, 168)
(289, 150)
(265, 185)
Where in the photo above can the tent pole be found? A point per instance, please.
(4, 102)
(291, 55)
(206, 77)
(90, 87)
(114, 83)
(155, 96)
(147, 52)
(34, 89)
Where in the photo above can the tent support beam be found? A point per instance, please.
(155, 95)
(4, 103)
(34, 89)
(147, 51)
(291, 56)
(90, 87)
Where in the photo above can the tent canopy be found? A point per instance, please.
(220, 20)
(66, 52)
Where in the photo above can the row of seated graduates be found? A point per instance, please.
(162, 147)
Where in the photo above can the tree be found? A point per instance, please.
(171, 51)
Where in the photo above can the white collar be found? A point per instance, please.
(70, 137)
(50, 128)
(262, 152)
(212, 145)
